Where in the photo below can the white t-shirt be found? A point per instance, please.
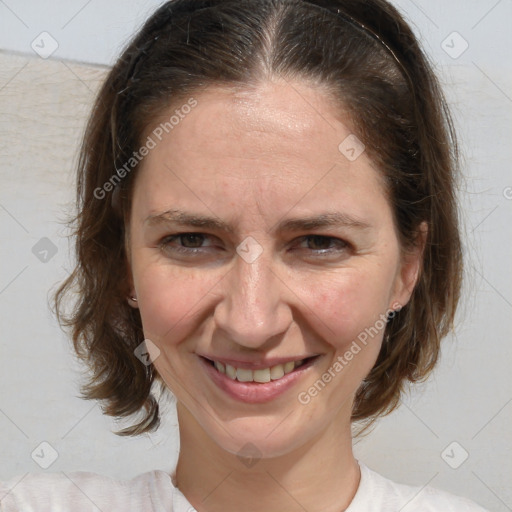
(154, 491)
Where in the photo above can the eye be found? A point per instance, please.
(197, 244)
(187, 243)
(324, 244)
(191, 240)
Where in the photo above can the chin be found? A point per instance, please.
(250, 442)
(263, 437)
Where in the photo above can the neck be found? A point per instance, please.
(319, 476)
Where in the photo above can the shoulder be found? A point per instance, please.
(80, 491)
(377, 493)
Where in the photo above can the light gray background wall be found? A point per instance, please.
(43, 104)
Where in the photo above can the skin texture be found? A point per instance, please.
(253, 158)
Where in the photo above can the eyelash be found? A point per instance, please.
(164, 244)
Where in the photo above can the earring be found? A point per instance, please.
(134, 299)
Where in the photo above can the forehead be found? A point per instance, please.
(271, 117)
(270, 144)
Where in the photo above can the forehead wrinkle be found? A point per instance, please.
(323, 220)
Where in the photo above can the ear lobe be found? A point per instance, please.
(411, 267)
(132, 300)
(132, 296)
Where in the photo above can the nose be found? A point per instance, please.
(255, 304)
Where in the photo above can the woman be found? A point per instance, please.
(266, 198)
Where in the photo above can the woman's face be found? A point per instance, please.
(264, 259)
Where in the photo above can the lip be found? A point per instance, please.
(255, 392)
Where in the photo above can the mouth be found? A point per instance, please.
(256, 385)
(260, 375)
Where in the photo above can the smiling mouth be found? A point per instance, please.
(261, 375)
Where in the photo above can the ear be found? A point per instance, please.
(132, 301)
(131, 294)
(410, 269)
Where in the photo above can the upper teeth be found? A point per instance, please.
(261, 375)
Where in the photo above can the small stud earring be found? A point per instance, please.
(134, 299)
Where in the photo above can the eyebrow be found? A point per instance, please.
(323, 220)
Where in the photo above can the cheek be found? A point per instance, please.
(170, 299)
(345, 306)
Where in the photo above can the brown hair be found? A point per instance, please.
(369, 59)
